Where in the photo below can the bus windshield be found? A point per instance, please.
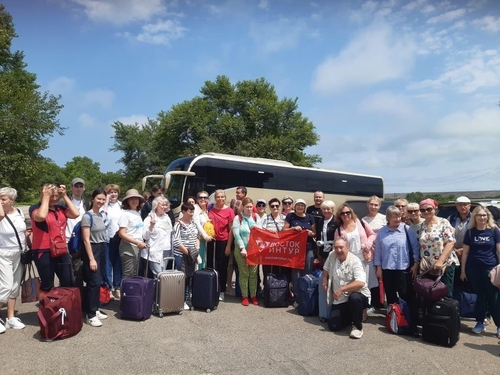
(174, 190)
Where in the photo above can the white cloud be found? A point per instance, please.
(87, 121)
(61, 85)
(102, 97)
(414, 5)
(278, 35)
(488, 23)
(161, 32)
(481, 69)
(448, 16)
(376, 55)
(483, 122)
(387, 103)
(264, 4)
(428, 8)
(120, 12)
(434, 41)
(133, 119)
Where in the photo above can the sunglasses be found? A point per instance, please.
(287, 203)
(412, 211)
(274, 206)
(261, 205)
(345, 213)
(202, 197)
(428, 209)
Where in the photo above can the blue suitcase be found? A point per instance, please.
(306, 290)
(137, 295)
(324, 309)
(205, 289)
(467, 303)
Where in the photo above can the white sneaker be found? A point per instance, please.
(356, 333)
(2, 327)
(94, 322)
(221, 296)
(186, 306)
(371, 311)
(100, 315)
(14, 323)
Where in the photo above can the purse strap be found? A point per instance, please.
(15, 231)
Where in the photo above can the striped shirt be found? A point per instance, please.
(186, 235)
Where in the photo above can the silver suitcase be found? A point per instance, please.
(170, 287)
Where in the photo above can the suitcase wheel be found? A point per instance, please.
(180, 312)
(208, 310)
(160, 314)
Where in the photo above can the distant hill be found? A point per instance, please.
(473, 195)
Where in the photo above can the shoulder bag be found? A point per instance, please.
(58, 246)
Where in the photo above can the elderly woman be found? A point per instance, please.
(287, 203)
(12, 243)
(261, 209)
(48, 222)
(222, 217)
(325, 230)
(344, 281)
(242, 224)
(436, 239)
(414, 218)
(300, 220)
(130, 232)
(397, 255)
(481, 253)
(402, 204)
(157, 231)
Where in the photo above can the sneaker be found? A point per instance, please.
(221, 296)
(116, 293)
(2, 327)
(100, 315)
(478, 328)
(371, 311)
(255, 301)
(356, 333)
(94, 322)
(244, 301)
(295, 305)
(186, 306)
(14, 323)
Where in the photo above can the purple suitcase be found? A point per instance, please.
(136, 302)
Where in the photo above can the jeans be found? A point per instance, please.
(48, 267)
(347, 313)
(114, 270)
(488, 296)
(90, 300)
(106, 269)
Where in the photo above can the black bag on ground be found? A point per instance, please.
(205, 289)
(276, 291)
(441, 323)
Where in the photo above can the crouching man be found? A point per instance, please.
(344, 281)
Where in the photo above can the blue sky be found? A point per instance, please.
(403, 89)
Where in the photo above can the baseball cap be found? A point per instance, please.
(77, 181)
(261, 201)
(462, 199)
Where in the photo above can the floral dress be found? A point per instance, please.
(432, 243)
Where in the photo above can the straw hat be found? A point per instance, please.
(133, 193)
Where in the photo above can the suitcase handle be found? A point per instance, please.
(165, 262)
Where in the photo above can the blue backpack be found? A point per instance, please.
(76, 240)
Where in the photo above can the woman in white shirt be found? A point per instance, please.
(157, 232)
(11, 270)
(130, 232)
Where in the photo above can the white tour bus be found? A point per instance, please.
(264, 178)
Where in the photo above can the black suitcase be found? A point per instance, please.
(276, 291)
(205, 289)
(441, 323)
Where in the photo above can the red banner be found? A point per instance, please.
(287, 249)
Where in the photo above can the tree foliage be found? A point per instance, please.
(246, 119)
(417, 196)
(28, 118)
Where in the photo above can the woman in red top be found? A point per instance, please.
(222, 217)
(48, 220)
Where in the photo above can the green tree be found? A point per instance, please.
(85, 168)
(28, 118)
(246, 119)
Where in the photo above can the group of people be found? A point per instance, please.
(141, 236)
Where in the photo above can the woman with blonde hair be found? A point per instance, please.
(200, 219)
(481, 253)
(374, 218)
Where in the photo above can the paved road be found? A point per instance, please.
(238, 340)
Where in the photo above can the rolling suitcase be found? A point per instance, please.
(276, 291)
(323, 308)
(441, 323)
(170, 288)
(60, 313)
(306, 288)
(205, 289)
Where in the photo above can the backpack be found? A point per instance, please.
(398, 318)
(76, 240)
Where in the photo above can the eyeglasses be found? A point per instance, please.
(401, 206)
(345, 213)
(481, 215)
(412, 211)
(428, 209)
(261, 205)
(287, 203)
(202, 197)
(274, 206)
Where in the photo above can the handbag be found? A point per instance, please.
(29, 286)
(431, 290)
(58, 247)
(26, 253)
(104, 296)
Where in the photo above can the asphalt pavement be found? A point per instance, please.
(238, 340)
